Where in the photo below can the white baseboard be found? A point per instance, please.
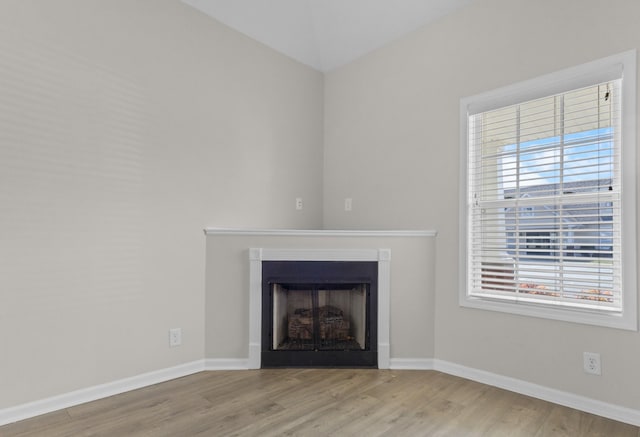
(611, 411)
(604, 409)
(43, 406)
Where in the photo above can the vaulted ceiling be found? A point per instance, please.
(326, 34)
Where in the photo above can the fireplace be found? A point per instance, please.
(319, 314)
(258, 346)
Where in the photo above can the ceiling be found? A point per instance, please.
(326, 34)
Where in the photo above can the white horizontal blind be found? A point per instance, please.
(545, 200)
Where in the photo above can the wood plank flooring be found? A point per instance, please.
(319, 402)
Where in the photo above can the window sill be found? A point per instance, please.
(584, 316)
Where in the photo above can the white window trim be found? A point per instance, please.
(623, 64)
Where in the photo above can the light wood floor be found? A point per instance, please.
(312, 402)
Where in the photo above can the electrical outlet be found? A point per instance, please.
(592, 363)
(299, 203)
(175, 337)
(348, 204)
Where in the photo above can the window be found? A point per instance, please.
(548, 202)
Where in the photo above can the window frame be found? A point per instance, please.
(618, 66)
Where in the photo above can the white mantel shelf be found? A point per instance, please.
(321, 232)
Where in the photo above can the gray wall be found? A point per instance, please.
(126, 127)
(392, 144)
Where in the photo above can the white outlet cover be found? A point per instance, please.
(592, 363)
(175, 337)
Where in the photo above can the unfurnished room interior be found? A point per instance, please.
(319, 218)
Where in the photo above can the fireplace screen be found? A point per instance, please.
(331, 317)
(319, 314)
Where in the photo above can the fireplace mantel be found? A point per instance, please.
(406, 261)
(321, 232)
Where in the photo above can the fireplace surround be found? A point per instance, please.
(327, 318)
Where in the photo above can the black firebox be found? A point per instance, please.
(319, 314)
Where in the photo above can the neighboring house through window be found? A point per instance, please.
(548, 202)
